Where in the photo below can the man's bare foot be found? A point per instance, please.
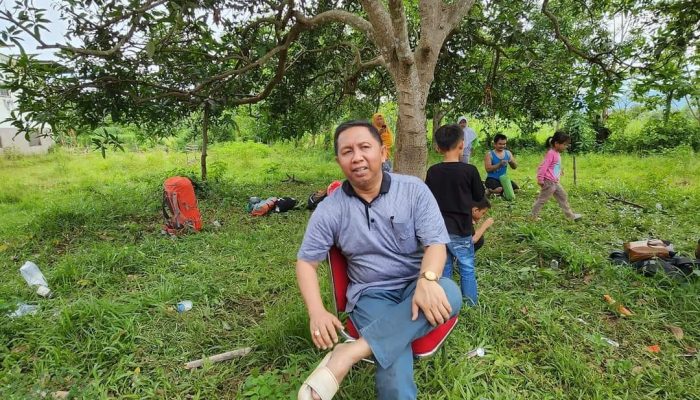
(498, 190)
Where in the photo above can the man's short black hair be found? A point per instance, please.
(447, 137)
(499, 137)
(351, 124)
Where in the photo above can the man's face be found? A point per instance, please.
(379, 121)
(360, 156)
(463, 123)
(500, 145)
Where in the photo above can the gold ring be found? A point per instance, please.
(317, 332)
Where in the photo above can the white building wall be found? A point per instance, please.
(9, 140)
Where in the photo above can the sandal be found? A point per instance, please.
(321, 380)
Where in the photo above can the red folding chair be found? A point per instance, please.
(422, 347)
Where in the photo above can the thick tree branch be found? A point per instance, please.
(591, 58)
(340, 16)
(399, 24)
(384, 36)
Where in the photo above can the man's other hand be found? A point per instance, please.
(324, 328)
(430, 298)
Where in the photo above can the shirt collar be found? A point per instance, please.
(383, 189)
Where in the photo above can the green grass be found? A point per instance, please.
(93, 227)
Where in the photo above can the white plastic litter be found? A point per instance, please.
(478, 352)
(24, 309)
(32, 274)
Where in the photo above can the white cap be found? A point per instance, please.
(43, 291)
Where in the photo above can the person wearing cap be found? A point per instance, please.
(469, 138)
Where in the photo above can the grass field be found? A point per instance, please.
(110, 331)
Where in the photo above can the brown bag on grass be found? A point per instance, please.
(646, 249)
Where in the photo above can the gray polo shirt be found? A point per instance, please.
(382, 240)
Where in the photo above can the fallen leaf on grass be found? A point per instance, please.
(637, 370)
(132, 277)
(59, 395)
(587, 279)
(524, 310)
(677, 332)
(655, 348)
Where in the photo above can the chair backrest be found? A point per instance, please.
(339, 283)
(422, 347)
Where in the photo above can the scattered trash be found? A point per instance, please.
(31, 273)
(622, 310)
(60, 395)
(655, 348)
(185, 305)
(659, 206)
(554, 264)
(478, 352)
(219, 357)
(226, 326)
(610, 341)
(24, 309)
(689, 352)
(677, 332)
(216, 224)
(581, 321)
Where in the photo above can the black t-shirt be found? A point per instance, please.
(455, 186)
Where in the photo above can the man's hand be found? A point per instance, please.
(431, 299)
(488, 223)
(324, 327)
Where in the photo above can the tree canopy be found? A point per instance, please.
(153, 62)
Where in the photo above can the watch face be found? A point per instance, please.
(430, 275)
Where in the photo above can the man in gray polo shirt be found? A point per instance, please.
(390, 229)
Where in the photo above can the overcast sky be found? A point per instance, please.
(57, 29)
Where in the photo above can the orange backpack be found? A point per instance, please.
(180, 206)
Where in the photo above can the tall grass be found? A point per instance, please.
(110, 331)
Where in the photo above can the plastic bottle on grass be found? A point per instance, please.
(32, 274)
(184, 305)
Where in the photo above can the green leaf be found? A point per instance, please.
(150, 48)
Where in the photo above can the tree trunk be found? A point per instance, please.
(438, 115)
(411, 147)
(205, 139)
(667, 107)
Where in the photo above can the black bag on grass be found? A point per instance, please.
(285, 204)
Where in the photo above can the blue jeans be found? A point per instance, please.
(461, 249)
(383, 318)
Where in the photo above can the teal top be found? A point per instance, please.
(494, 161)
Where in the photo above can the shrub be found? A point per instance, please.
(582, 134)
(677, 131)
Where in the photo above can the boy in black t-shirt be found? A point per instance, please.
(456, 186)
